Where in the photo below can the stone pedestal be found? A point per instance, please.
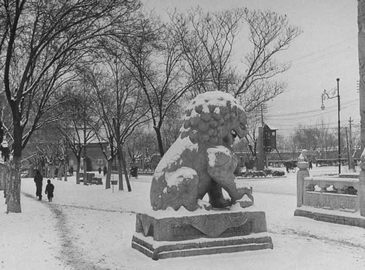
(196, 234)
(302, 173)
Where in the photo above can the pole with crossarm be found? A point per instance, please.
(324, 96)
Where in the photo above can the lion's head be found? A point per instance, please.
(214, 118)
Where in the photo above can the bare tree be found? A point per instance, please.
(43, 151)
(307, 137)
(210, 45)
(208, 42)
(156, 63)
(120, 103)
(321, 137)
(40, 42)
(76, 122)
(142, 146)
(173, 122)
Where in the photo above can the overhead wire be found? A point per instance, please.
(296, 117)
(330, 107)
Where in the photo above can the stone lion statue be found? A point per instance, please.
(201, 160)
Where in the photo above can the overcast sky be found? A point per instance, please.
(326, 50)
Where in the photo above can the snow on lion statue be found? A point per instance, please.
(201, 160)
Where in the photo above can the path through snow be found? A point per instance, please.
(70, 255)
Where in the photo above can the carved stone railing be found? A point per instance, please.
(362, 185)
(329, 192)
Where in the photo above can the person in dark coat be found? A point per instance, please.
(38, 180)
(49, 190)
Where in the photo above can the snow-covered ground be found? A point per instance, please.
(88, 227)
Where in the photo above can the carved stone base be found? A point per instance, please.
(201, 246)
(197, 234)
(333, 216)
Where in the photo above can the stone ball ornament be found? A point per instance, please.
(201, 160)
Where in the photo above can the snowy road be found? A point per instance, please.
(88, 227)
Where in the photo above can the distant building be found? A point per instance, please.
(95, 158)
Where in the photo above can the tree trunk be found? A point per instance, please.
(125, 172)
(361, 49)
(65, 169)
(108, 174)
(53, 171)
(159, 141)
(85, 170)
(120, 171)
(13, 187)
(78, 171)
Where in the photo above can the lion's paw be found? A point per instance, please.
(204, 205)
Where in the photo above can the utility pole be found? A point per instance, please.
(351, 161)
(339, 125)
(348, 147)
(324, 96)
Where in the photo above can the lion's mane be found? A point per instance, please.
(210, 117)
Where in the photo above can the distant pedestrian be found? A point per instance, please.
(286, 164)
(310, 164)
(49, 190)
(105, 170)
(38, 180)
(99, 170)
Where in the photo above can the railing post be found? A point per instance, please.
(301, 174)
(361, 192)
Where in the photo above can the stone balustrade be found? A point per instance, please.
(362, 185)
(330, 192)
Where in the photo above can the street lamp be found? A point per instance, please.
(325, 95)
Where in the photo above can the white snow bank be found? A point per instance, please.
(29, 240)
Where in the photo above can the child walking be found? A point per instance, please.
(49, 190)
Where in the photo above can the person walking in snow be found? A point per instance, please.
(38, 180)
(49, 190)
